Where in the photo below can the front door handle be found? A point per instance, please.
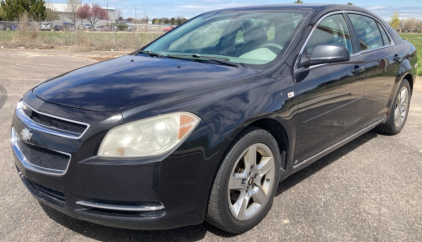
(358, 70)
(397, 58)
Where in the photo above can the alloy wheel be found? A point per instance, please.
(251, 181)
(402, 105)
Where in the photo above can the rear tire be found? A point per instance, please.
(246, 182)
(398, 112)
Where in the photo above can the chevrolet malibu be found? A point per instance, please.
(204, 122)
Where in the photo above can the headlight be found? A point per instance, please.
(148, 137)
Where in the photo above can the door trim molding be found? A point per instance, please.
(326, 151)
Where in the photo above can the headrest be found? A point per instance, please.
(257, 34)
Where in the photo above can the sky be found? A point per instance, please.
(191, 8)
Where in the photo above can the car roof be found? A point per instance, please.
(317, 9)
(311, 7)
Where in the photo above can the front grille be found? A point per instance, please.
(42, 157)
(54, 123)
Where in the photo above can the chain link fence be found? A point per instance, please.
(112, 27)
(66, 35)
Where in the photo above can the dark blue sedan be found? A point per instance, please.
(204, 122)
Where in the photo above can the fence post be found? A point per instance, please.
(77, 32)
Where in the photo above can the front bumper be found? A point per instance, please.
(173, 195)
(161, 193)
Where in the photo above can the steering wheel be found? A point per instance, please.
(273, 47)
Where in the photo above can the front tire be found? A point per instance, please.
(399, 110)
(246, 182)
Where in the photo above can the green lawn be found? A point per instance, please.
(416, 40)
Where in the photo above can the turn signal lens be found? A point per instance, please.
(186, 124)
(148, 137)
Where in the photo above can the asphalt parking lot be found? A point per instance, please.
(368, 190)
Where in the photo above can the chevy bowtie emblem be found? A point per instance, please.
(26, 134)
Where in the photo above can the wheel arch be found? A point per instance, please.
(405, 72)
(275, 128)
(410, 79)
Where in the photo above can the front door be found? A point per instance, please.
(330, 94)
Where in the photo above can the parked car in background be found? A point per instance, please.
(87, 26)
(167, 29)
(198, 126)
(45, 26)
(69, 26)
(131, 27)
(13, 26)
(102, 28)
(58, 28)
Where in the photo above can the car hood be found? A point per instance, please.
(130, 80)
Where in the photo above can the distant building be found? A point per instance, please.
(67, 17)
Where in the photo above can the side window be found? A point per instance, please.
(367, 31)
(384, 35)
(239, 37)
(331, 31)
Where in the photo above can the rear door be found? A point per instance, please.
(329, 95)
(381, 63)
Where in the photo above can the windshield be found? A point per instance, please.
(253, 39)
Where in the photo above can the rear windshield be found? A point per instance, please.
(253, 39)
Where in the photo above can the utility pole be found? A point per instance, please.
(135, 14)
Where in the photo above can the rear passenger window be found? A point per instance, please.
(331, 31)
(384, 35)
(367, 31)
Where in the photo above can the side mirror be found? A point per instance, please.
(325, 54)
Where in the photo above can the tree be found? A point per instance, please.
(395, 21)
(37, 10)
(410, 24)
(13, 9)
(349, 3)
(72, 6)
(2, 14)
(298, 2)
(419, 25)
(51, 13)
(119, 14)
(180, 20)
(144, 19)
(165, 21)
(92, 14)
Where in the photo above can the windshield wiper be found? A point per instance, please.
(227, 63)
(223, 61)
(150, 53)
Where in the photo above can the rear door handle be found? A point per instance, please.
(358, 70)
(397, 58)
